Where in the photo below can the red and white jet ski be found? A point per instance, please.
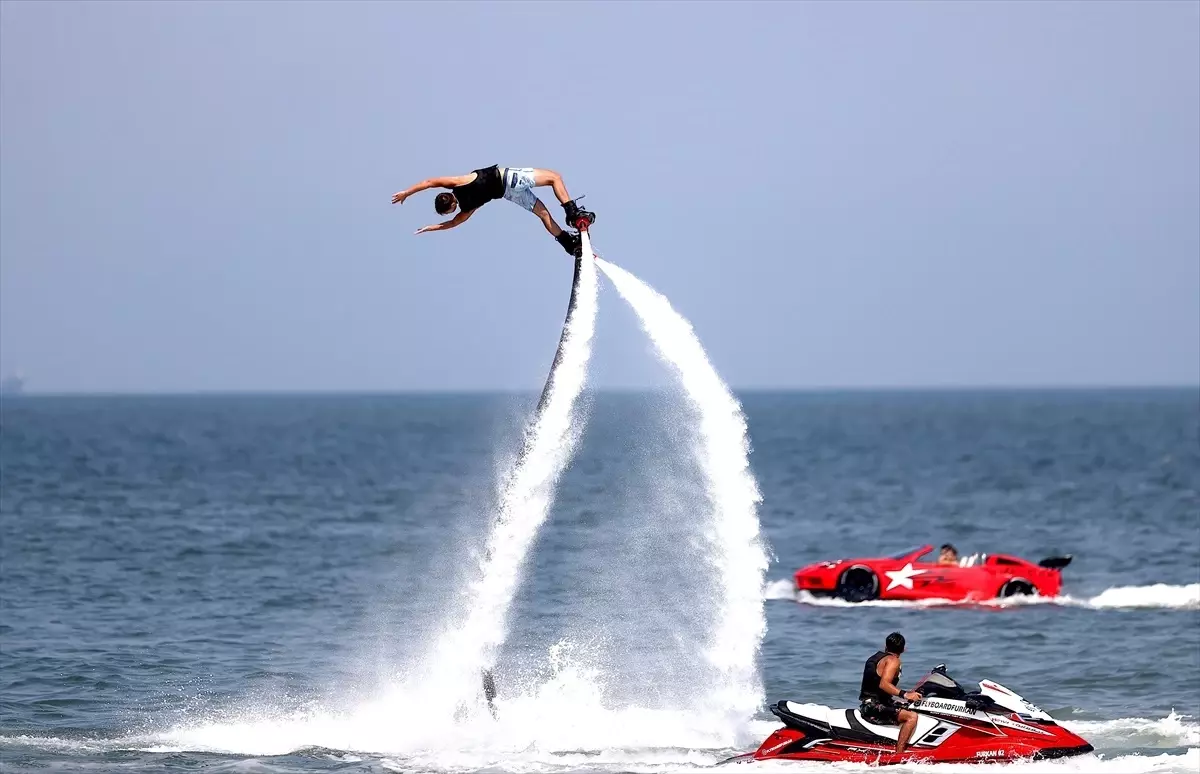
(953, 726)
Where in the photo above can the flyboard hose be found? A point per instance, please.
(582, 224)
(558, 355)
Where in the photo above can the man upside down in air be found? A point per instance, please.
(470, 192)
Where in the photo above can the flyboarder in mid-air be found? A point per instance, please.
(470, 192)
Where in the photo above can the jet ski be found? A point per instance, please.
(953, 726)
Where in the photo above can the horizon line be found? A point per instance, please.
(426, 391)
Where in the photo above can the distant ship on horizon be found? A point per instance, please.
(12, 385)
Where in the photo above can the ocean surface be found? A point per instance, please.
(245, 583)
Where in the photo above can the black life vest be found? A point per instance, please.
(487, 185)
(871, 680)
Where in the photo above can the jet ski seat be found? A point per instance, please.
(829, 723)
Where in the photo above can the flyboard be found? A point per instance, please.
(583, 223)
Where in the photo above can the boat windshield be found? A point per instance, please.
(908, 552)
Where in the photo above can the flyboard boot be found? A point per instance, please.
(571, 242)
(579, 218)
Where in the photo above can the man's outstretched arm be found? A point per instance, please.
(433, 182)
(458, 219)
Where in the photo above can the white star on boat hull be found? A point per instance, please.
(903, 577)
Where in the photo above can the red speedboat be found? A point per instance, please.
(954, 726)
(913, 575)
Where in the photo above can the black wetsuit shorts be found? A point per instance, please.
(881, 713)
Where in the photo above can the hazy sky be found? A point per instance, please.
(196, 196)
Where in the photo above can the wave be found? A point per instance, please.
(1160, 595)
(64, 745)
(1174, 730)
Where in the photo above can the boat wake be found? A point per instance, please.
(1159, 596)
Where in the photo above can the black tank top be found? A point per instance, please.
(487, 185)
(871, 680)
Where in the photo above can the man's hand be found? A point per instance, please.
(913, 696)
(400, 197)
(458, 219)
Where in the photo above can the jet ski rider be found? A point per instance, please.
(879, 691)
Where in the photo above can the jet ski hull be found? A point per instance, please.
(791, 744)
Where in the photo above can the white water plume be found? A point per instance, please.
(527, 493)
(735, 548)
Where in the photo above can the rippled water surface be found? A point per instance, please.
(246, 583)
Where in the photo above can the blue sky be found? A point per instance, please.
(195, 196)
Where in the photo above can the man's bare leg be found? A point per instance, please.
(547, 219)
(908, 722)
(572, 211)
(554, 180)
(569, 240)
